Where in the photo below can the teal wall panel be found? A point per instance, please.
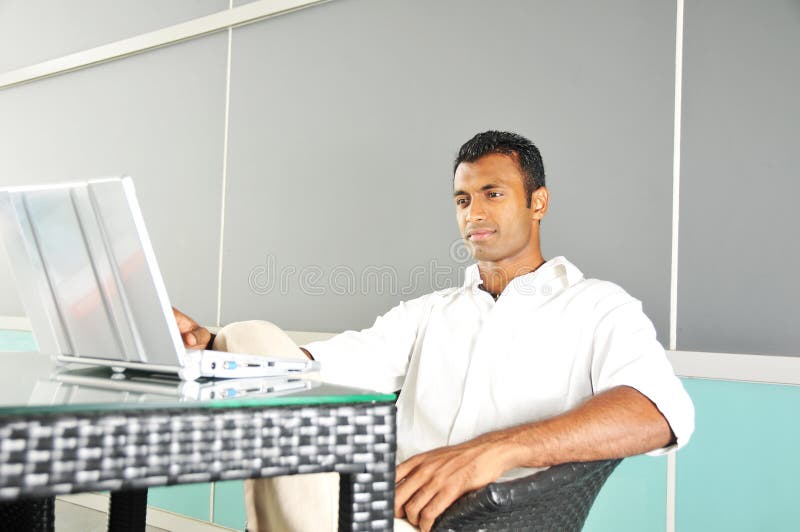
(188, 499)
(229, 504)
(740, 470)
(17, 341)
(633, 499)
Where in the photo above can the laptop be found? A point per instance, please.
(88, 279)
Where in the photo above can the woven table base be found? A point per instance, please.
(132, 450)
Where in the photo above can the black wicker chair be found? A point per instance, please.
(556, 499)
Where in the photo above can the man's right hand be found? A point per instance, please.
(194, 336)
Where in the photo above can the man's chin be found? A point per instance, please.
(484, 254)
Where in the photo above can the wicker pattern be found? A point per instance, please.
(49, 455)
(33, 514)
(556, 499)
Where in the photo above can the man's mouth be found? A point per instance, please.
(480, 234)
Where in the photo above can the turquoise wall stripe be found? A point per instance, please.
(229, 504)
(633, 499)
(739, 472)
(186, 499)
(17, 341)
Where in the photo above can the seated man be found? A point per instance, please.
(526, 365)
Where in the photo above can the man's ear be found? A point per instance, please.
(540, 199)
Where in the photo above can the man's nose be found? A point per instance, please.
(475, 212)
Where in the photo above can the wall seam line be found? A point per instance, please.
(672, 460)
(673, 289)
(676, 180)
(226, 129)
(212, 491)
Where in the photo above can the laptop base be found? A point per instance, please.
(207, 363)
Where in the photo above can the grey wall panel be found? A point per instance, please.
(739, 253)
(158, 117)
(32, 31)
(345, 118)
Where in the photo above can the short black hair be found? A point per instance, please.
(522, 150)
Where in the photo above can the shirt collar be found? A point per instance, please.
(570, 272)
(556, 267)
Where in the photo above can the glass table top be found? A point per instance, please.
(31, 383)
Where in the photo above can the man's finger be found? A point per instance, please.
(413, 508)
(202, 336)
(189, 340)
(438, 504)
(406, 467)
(185, 323)
(406, 489)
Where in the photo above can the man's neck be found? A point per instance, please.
(497, 275)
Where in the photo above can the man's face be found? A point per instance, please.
(491, 209)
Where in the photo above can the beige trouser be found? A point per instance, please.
(297, 503)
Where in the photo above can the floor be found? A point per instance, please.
(74, 518)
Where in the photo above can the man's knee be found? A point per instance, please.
(295, 503)
(256, 337)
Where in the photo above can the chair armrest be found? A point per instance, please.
(558, 498)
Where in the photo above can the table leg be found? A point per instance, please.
(366, 501)
(36, 515)
(127, 510)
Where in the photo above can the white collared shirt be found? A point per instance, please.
(469, 365)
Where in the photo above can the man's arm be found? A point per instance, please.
(616, 423)
(376, 357)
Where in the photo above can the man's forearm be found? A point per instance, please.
(616, 423)
(613, 424)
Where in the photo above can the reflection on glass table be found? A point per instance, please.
(100, 385)
(31, 383)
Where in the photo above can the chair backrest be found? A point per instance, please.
(558, 498)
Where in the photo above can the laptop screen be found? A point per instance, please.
(86, 271)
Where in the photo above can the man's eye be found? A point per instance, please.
(494, 194)
(461, 201)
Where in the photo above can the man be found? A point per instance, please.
(526, 365)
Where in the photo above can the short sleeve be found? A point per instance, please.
(376, 357)
(627, 353)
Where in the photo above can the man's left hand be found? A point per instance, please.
(428, 483)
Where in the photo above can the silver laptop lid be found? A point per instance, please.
(86, 272)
